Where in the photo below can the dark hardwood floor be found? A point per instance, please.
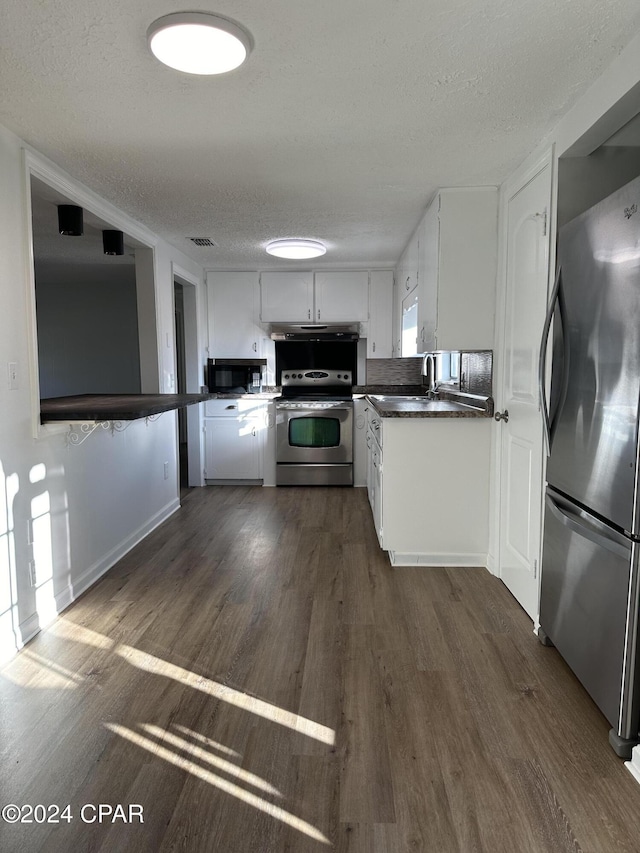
(258, 679)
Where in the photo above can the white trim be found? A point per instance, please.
(33, 625)
(34, 164)
(62, 182)
(492, 565)
(463, 561)
(27, 630)
(195, 435)
(179, 272)
(633, 766)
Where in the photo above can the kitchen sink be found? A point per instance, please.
(400, 398)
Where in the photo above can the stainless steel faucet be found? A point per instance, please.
(429, 375)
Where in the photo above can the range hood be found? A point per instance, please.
(314, 332)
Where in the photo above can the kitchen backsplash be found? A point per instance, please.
(476, 369)
(393, 371)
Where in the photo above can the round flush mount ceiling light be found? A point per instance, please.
(295, 248)
(199, 43)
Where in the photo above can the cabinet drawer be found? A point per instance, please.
(233, 408)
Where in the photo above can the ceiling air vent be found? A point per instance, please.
(202, 241)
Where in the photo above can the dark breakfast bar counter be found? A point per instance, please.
(83, 408)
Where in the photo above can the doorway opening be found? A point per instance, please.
(188, 377)
(181, 384)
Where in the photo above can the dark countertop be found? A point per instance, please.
(113, 407)
(449, 405)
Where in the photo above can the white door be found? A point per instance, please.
(521, 442)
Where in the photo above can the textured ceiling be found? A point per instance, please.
(347, 117)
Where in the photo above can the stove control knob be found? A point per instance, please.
(286, 376)
(299, 376)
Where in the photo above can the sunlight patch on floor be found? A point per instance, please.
(68, 630)
(150, 663)
(37, 671)
(204, 755)
(217, 781)
(207, 741)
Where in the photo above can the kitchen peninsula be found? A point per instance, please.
(82, 408)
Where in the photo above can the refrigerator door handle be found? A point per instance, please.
(542, 361)
(580, 525)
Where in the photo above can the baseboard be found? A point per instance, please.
(398, 558)
(491, 564)
(633, 766)
(32, 626)
(234, 482)
(28, 629)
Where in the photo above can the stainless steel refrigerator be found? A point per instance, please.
(589, 587)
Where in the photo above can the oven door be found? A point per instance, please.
(309, 435)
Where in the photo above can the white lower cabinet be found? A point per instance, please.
(374, 470)
(234, 432)
(428, 484)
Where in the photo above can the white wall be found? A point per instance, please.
(83, 310)
(83, 505)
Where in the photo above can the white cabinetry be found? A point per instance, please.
(342, 297)
(458, 257)
(323, 297)
(429, 495)
(407, 278)
(374, 470)
(234, 431)
(379, 333)
(360, 454)
(233, 313)
(286, 297)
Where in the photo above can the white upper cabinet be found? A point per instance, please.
(407, 280)
(342, 297)
(232, 313)
(326, 297)
(428, 293)
(286, 297)
(457, 270)
(379, 334)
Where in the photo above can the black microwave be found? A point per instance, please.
(234, 375)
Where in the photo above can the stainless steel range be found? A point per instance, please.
(314, 428)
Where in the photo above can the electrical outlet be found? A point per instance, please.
(166, 470)
(13, 375)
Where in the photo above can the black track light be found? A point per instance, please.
(113, 242)
(70, 220)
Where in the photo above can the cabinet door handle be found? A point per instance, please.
(255, 346)
(253, 432)
(309, 314)
(231, 407)
(318, 313)
(406, 284)
(502, 416)
(373, 349)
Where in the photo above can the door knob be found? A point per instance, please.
(502, 416)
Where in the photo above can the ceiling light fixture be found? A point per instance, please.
(296, 248)
(199, 43)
